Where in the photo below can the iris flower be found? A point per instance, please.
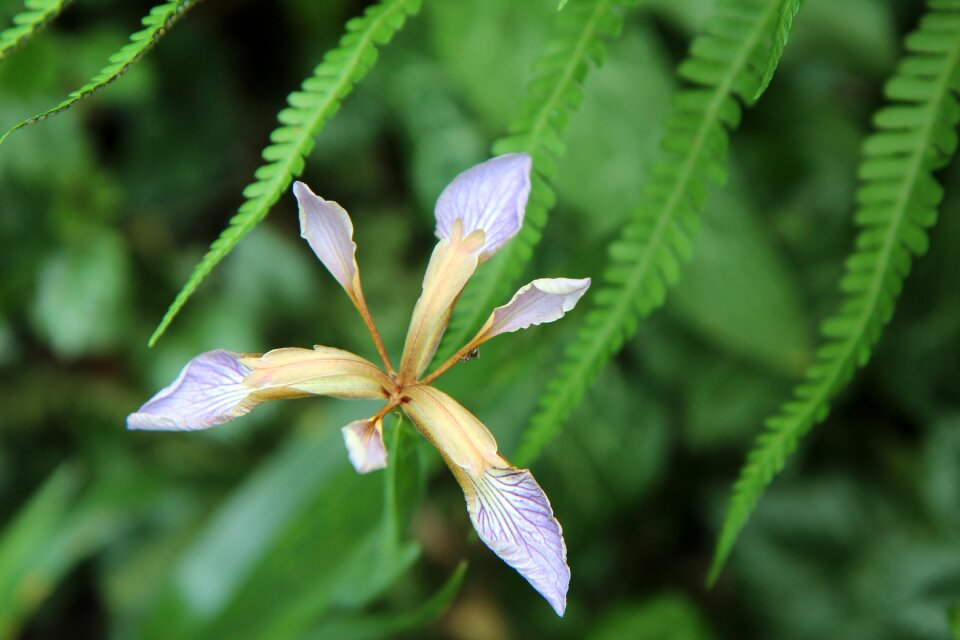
(476, 215)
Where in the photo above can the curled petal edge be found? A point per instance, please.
(365, 447)
(543, 300)
(327, 227)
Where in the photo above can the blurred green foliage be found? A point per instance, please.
(260, 529)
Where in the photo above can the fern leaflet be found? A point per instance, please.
(27, 23)
(156, 24)
(726, 61)
(897, 205)
(551, 97)
(788, 10)
(309, 109)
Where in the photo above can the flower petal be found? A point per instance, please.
(364, 440)
(209, 391)
(217, 386)
(513, 517)
(327, 227)
(543, 300)
(453, 262)
(293, 372)
(491, 196)
(460, 437)
(507, 507)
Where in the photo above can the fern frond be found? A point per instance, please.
(26, 24)
(554, 93)
(156, 24)
(724, 62)
(788, 10)
(309, 109)
(897, 205)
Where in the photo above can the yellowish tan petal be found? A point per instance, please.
(459, 436)
(218, 386)
(507, 507)
(292, 372)
(453, 262)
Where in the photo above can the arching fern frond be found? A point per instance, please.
(309, 109)
(724, 62)
(788, 10)
(551, 97)
(897, 205)
(156, 24)
(27, 23)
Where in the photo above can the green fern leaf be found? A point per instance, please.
(27, 23)
(551, 97)
(726, 61)
(788, 10)
(156, 24)
(897, 204)
(309, 109)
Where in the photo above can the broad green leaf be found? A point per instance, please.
(739, 293)
(392, 625)
(29, 562)
(302, 535)
(664, 617)
(60, 525)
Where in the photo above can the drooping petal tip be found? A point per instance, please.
(513, 517)
(326, 226)
(208, 392)
(509, 510)
(365, 448)
(543, 300)
(491, 196)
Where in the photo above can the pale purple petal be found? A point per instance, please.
(543, 300)
(491, 196)
(364, 440)
(327, 227)
(513, 517)
(209, 391)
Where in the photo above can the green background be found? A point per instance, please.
(260, 529)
